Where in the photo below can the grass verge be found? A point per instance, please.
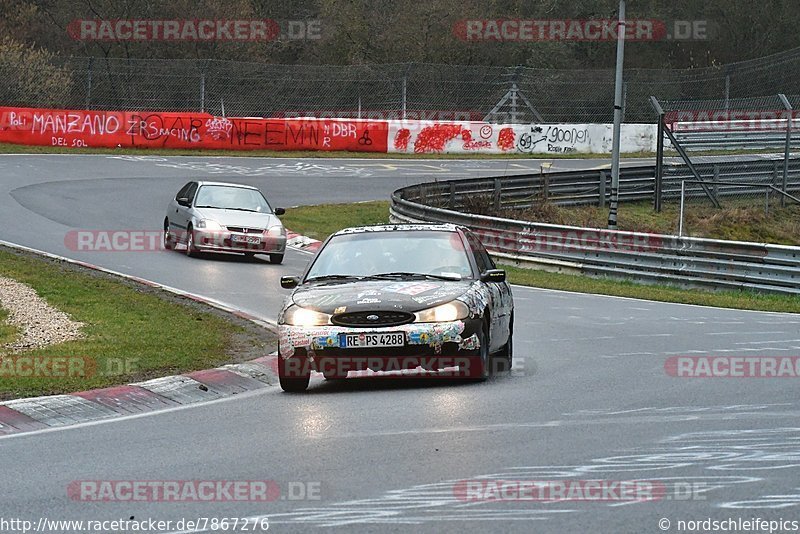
(322, 220)
(742, 300)
(737, 220)
(8, 333)
(132, 332)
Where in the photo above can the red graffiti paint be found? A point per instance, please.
(505, 139)
(401, 139)
(145, 129)
(434, 138)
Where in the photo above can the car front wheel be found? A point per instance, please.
(191, 250)
(481, 366)
(506, 355)
(167, 236)
(294, 373)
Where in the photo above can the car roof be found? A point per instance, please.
(243, 186)
(414, 227)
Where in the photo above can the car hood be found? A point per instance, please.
(377, 295)
(238, 218)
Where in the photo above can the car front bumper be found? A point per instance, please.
(428, 345)
(216, 241)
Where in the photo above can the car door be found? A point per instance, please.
(179, 219)
(500, 294)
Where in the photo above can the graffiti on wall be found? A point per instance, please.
(79, 128)
(138, 129)
(465, 137)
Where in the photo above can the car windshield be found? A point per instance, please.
(232, 198)
(393, 253)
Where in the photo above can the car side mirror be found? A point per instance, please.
(289, 282)
(493, 275)
(183, 201)
(279, 211)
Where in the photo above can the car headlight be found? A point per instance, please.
(209, 224)
(451, 311)
(276, 231)
(297, 316)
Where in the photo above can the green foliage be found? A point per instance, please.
(28, 75)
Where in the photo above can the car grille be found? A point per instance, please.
(242, 230)
(372, 319)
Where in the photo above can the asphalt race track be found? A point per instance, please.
(588, 399)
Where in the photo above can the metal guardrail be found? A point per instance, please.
(650, 258)
(735, 140)
(594, 187)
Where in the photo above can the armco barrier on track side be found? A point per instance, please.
(650, 258)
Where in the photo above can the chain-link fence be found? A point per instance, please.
(413, 90)
(754, 190)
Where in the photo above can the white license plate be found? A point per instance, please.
(384, 339)
(249, 239)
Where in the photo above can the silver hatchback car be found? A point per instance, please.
(224, 217)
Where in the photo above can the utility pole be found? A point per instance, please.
(614, 204)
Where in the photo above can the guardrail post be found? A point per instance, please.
(602, 195)
(496, 197)
(452, 200)
(545, 186)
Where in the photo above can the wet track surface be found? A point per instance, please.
(588, 399)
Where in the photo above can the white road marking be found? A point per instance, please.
(742, 333)
(767, 341)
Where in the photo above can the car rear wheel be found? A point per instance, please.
(294, 373)
(276, 258)
(191, 250)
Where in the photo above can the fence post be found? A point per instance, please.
(657, 189)
(602, 200)
(683, 196)
(405, 82)
(202, 92)
(89, 69)
(787, 146)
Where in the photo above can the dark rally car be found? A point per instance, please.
(396, 297)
